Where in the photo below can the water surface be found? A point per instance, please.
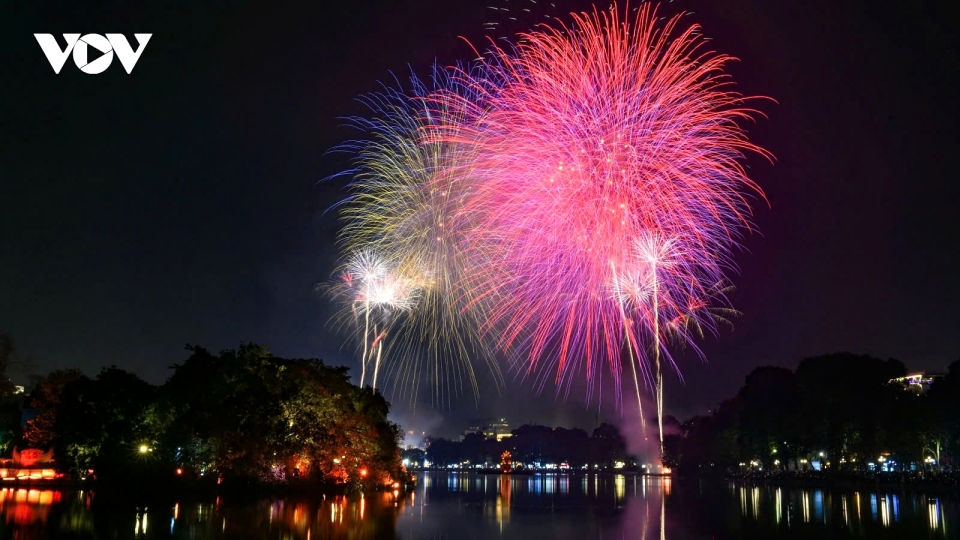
(477, 506)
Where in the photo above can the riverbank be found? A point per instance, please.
(531, 472)
(152, 491)
(947, 483)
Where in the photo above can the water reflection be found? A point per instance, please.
(467, 506)
(25, 507)
(892, 511)
(32, 513)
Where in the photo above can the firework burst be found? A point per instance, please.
(372, 293)
(609, 191)
(403, 196)
(574, 201)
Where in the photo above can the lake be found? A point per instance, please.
(462, 506)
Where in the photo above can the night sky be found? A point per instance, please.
(184, 203)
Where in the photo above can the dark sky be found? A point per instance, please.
(184, 203)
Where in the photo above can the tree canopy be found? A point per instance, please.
(241, 415)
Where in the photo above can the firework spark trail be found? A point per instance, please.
(633, 368)
(368, 286)
(607, 144)
(353, 289)
(368, 269)
(403, 194)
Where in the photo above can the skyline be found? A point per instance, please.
(188, 208)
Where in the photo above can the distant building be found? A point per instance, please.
(498, 430)
(916, 382)
(491, 429)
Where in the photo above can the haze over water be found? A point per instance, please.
(467, 506)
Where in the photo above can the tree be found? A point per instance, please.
(39, 431)
(767, 415)
(608, 444)
(245, 414)
(99, 425)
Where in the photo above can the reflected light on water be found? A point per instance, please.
(140, 523)
(503, 502)
(778, 504)
(663, 517)
(29, 514)
(818, 512)
(935, 515)
(508, 507)
(23, 507)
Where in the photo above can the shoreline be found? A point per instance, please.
(933, 484)
(155, 492)
(930, 483)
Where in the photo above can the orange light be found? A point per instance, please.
(396, 485)
(179, 471)
(363, 472)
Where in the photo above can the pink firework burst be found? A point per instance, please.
(610, 192)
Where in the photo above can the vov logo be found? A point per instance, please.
(80, 46)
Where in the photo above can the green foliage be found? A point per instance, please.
(249, 415)
(242, 414)
(99, 423)
(45, 399)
